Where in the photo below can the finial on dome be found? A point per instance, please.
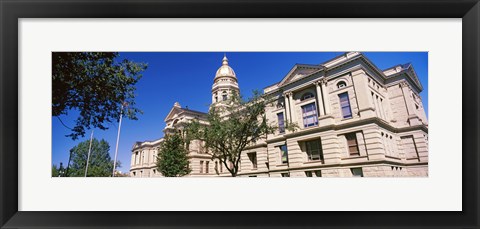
(225, 59)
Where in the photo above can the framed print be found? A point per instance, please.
(371, 113)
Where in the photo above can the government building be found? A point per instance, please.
(354, 120)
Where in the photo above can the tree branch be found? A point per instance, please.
(63, 123)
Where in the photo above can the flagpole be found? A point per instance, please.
(89, 150)
(118, 138)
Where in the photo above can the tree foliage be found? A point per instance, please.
(231, 128)
(55, 172)
(95, 84)
(100, 163)
(58, 171)
(172, 158)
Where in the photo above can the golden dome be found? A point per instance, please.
(225, 70)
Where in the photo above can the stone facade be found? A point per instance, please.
(354, 120)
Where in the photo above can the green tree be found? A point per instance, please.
(231, 128)
(58, 171)
(100, 163)
(55, 172)
(172, 158)
(95, 84)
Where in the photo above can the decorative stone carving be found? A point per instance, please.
(288, 94)
(323, 81)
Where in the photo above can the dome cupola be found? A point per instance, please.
(225, 70)
(225, 83)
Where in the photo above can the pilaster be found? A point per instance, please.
(287, 108)
(318, 89)
(293, 114)
(328, 118)
(364, 99)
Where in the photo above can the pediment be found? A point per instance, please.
(175, 111)
(414, 77)
(136, 145)
(298, 72)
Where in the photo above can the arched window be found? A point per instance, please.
(341, 84)
(307, 96)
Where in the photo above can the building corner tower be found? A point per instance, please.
(225, 84)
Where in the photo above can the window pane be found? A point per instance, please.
(345, 105)
(284, 153)
(314, 150)
(352, 143)
(357, 172)
(353, 149)
(281, 123)
(309, 113)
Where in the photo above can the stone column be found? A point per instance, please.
(328, 110)
(327, 118)
(293, 116)
(287, 107)
(364, 98)
(319, 98)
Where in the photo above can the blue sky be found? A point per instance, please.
(187, 77)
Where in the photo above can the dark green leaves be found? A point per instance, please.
(232, 128)
(172, 159)
(100, 164)
(95, 84)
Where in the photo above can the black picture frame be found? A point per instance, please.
(11, 11)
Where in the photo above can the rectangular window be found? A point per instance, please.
(281, 123)
(345, 105)
(309, 113)
(314, 150)
(352, 144)
(201, 166)
(284, 154)
(253, 159)
(206, 166)
(318, 173)
(357, 172)
(308, 173)
(285, 175)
